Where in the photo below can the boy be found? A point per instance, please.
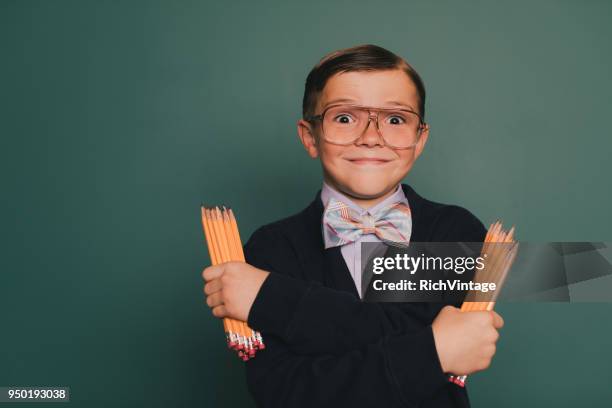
(363, 113)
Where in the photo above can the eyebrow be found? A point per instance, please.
(396, 103)
(343, 100)
(339, 100)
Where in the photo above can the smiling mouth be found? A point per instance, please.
(368, 160)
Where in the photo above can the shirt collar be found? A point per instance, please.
(328, 192)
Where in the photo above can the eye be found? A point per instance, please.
(396, 120)
(344, 118)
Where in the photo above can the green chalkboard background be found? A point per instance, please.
(119, 118)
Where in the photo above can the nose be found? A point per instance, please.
(371, 135)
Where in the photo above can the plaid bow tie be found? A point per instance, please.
(343, 224)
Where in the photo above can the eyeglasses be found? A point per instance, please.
(344, 124)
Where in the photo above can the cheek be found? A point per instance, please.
(330, 155)
(406, 160)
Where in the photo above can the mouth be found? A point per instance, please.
(368, 160)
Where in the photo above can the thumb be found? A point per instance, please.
(498, 322)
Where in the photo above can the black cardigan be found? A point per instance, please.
(327, 348)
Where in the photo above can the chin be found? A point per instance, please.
(369, 188)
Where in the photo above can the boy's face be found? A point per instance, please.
(366, 170)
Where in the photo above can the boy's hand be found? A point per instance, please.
(465, 341)
(231, 288)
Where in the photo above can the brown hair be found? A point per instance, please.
(365, 57)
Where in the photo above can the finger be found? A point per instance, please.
(498, 321)
(219, 311)
(212, 272)
(214, 300)
(451, 308)
(213, 286)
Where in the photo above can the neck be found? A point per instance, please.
(363, 202)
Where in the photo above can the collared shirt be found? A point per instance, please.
(351, 252)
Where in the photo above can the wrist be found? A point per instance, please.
(275, 304)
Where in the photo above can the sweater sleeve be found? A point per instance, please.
(395, 371)
(457, 224)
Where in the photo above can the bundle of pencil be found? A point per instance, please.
(224, 245)
(499, 259)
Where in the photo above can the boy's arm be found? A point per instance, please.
(312, 318)
(395, 371)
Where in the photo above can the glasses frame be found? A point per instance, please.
(319, 118)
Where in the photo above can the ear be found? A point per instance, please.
(308, 138)
(418, 149)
